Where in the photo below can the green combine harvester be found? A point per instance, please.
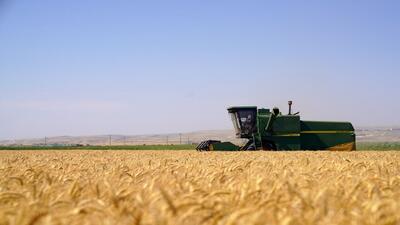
(271, 130)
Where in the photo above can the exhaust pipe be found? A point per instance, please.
(290, 107)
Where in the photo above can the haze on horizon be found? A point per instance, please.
(141, 67)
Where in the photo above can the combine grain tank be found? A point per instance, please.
(271, 130)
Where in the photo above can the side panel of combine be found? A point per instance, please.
(321, 135)
(286, 132)
(278, 133)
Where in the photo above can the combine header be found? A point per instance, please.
(270, 130)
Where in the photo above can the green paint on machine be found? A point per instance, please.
(271, 130)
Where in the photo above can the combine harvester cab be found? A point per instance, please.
(271, 130)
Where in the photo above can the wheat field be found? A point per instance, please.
(188, 187)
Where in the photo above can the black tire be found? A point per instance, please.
(269, 145)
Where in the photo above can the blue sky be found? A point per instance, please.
(134, 67)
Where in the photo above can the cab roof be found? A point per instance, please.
(237, 108)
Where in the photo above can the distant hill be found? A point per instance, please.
(378, 134)
(172, 138)
(364, 134)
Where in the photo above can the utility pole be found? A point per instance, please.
(109, 140)
(124, 140)
(167, 139)
(180, 138)
(45, 140)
